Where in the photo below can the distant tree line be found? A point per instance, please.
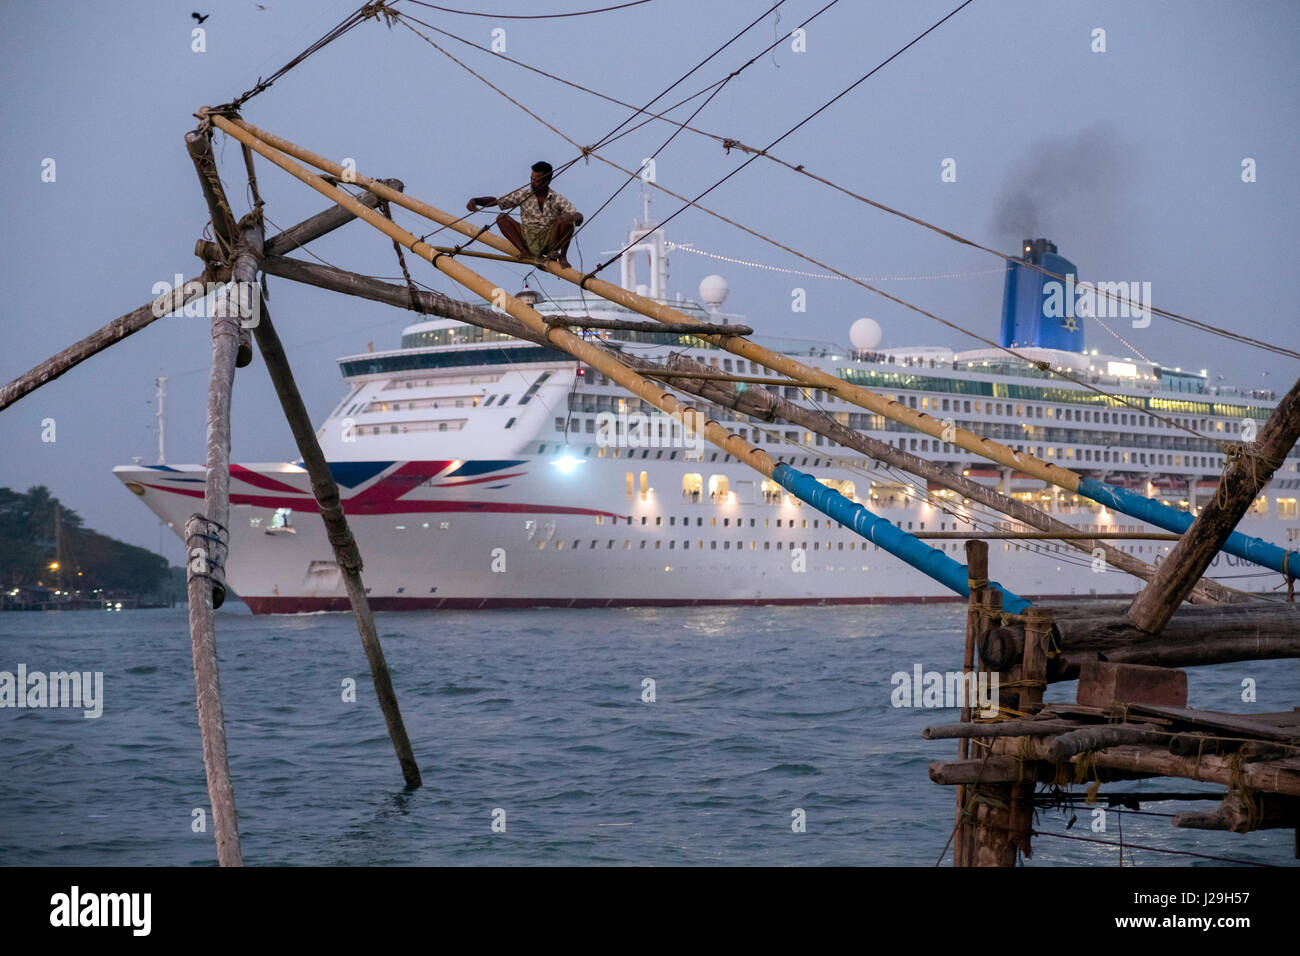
(32, 537)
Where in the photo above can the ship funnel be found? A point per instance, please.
(1035, 311)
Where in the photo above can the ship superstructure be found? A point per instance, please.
(481, 471)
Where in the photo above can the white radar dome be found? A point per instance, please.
(865, 334)
(713, 291)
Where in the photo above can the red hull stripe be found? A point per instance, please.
(356, 506)
(476, 481)
(248, 476)
(306, 605)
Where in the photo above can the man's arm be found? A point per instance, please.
(568, 209)
(479, 202)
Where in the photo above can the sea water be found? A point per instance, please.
(682, 736)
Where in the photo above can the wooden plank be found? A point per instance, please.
(1240, 725)
(999, 728)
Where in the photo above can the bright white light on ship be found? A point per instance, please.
(567, 464)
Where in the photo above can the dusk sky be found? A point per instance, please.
(1130, 160)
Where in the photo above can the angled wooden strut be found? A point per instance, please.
(194, 288)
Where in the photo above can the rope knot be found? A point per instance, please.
(371, 11)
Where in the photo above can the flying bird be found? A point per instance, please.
(200, 17)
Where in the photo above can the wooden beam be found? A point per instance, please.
(1000, 728)
(658, 328)
(1246, 475)
(1100, 737)
(1266, 811)
(167, 303)
(1194, 636)
(664, 373)
(427, 301)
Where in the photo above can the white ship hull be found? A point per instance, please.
(522, 533)
(478, 471)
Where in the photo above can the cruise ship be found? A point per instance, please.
(481, 471)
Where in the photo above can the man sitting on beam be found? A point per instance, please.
(548, 218)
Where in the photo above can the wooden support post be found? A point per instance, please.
(206, 542)
(1033, 668)
(1247, 474)
(345, 548)
(977, 567)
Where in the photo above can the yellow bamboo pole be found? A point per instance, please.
(855, 394)
(575, 345)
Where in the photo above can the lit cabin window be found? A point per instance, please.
(719, 489)
(692, 486)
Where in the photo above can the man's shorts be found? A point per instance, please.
(536, 240)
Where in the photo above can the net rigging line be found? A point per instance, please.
(834, 99)
(607, 137)
(729, 143)
(360, 15)
(1041, 365)
(529, 16)
(718, 88)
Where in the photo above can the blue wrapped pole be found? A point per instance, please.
(880, 531)
(1171, 519)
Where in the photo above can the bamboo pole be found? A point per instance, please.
(1251, 549)
(920, 421)
(207, 540)
(195, 288)
(932, 561)
(1246, 475)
